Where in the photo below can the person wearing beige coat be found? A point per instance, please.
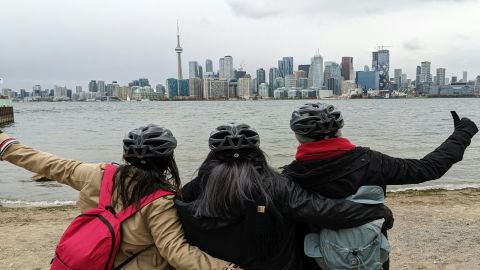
(155, 228)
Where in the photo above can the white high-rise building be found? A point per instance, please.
(193, 69)
(425, 75)
(228, 67)
(245, 87)
(440, 77)
(263, 90)
(101, 88)
(221, 68)
(465, 77)
(316, 72)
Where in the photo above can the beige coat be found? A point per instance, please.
(156, 224)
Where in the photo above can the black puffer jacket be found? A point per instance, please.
(267, 240)
(341, 176)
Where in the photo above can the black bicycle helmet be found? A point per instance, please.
(148, 142)
(233, 137)
(316, 120)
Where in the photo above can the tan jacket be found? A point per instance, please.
(156, 224)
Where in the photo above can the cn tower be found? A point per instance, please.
(179, 51)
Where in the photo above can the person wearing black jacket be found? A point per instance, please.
(238, 208)
(331, 166)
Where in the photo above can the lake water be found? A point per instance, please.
(93, 132)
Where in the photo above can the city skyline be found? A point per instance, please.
(73, 48)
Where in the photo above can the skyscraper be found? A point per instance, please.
(347, 67)
(260, 77)
(397, 75)
(381, 63)
(221, 68)
(228, 67)
(193, 69)
(316, 71)
(285, 66)
(440, 77)
(418, 75)
(172, 88)
(179, 51)
(101, 88)
(305, 68)
(465, 77)
(208, 65)
(92, 86)
(200, 71)
(332, 77)
(425, 75)
(273, 74)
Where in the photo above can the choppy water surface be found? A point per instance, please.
(93, 132)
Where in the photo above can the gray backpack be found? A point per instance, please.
(363, 247)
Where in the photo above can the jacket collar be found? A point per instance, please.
(323, 149)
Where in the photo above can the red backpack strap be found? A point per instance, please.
(132, 209)
(107, 186)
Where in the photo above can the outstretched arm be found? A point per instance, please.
(304, 206)
(73, 173)
(397, 171)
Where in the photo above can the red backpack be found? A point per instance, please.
(92, 240)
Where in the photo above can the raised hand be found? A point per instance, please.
(464, 124)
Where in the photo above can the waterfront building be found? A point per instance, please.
(425, 75)
(316, 71)
(366, 68)
(92, 86)
(78, 89)
(273, 74)
(208, 65)
(196, 88)
(101, 88)
(221, 68)
(110, 89)
(172, 88)
(397, 76)
(304, 68)
(245, 87)
(260, 78)
(368, 80)
(232, 88)
(193, 69)
(447, 81)
(465, 77)
(255, 88)
(309, 93)
(290, 81)
(37, 90)
(285, 66)
(216, 88)
(183, 88)
(200, 71)
(294, 93)
(280, 93)
(179, 51)
(381, 64)
(418, 74)
(228, 69)
(454, 79)
(404, 81)
(346, 86)
(347, 67)
(440, 77)
(145, 93)
(322, 93)
(263, 90)
(302, 83)
(333, 71)
(60, 92)
(239, 74)
(160, 89)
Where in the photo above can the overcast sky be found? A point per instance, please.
(70, 42)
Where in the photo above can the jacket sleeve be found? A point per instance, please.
(309, 207)
(70, 172)
(166, 229)
(397, 171)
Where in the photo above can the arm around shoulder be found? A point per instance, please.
(166, 229)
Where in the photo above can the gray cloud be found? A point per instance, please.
(413, 45)
(255, 9)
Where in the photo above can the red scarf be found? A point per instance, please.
(323, 149)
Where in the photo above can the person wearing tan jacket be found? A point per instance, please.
(150, 165)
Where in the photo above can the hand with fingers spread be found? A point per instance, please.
(464, 124)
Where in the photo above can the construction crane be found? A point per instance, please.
(242, 64)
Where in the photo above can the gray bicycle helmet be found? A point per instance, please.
(316, 120)
(233, 137)
(148, 142)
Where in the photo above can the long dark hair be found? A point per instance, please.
(137, 178)
(230, 178)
